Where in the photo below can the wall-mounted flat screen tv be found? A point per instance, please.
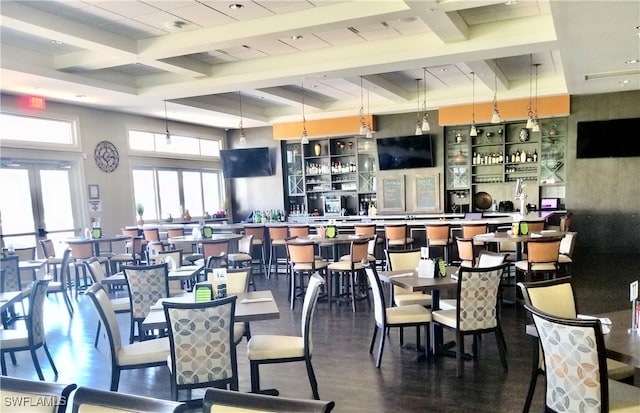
(405, 152)
(244, 163)
(614, 138)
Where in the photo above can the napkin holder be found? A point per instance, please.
(426, 269)
(202, 292)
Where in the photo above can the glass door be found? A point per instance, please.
(36, 203)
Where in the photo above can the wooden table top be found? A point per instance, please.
(185, 272)
(245, 311)
(506, 236)
(409, 280)
(104, 238)
(214, 237)
(11, 297)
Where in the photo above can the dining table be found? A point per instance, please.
(31, 265)
(518, 240)
(185, 273)
(197, 241)
(409, 280)
(333, 242)
(110, 239)
(250, 306)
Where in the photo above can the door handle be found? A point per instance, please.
(42, 233)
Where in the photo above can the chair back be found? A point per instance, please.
(439, 233)
(395, 232)
(147, 284)
(575, 363)
(245, 243)
(279, 233)
(35, 320)
(87, 400)
(176, 256)
(130, 232)
(534, 226)
(107, 315)
(81, 250)
(95, 270)
(218, 400)
(301, 252)
(555, 297)
(237, 279)
(379, 304)
(256, 230)
(371, 248)
(477, 299)
(65, 274)
(568, 243)
(175, 232)
(56, 393)
(215, 248)
(299, 231)
(48, 249)
(365, 229)
(309, 308)
(465, 250)
(203, 352)
(10, 274)
(359, 250)
(487, 259)
(543, 250)
(151, 234)
(403, 260)
(470, 230)
(137, 248)
(25, 254)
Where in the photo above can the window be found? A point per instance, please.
(155, 143)
(31, 130)
(170, 191)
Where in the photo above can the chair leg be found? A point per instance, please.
(255, 377)
(373, 338)
(67, 302)
(53, 366)
(459, 351)
(3, 364)
(417, 338)
(312, 378)
(352, 282)
(115, 378)
(501, 348)
(427, 341)
(401, 335)
(12, 355)
(95, 343)
(174, 389)
(380, 350)
(34, 357)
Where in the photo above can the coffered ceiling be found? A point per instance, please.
(131, 56)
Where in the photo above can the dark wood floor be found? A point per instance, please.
(346, 371)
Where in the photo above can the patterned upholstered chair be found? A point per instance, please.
(86, 399)
(147, 284)
(10, 281)
(574, 358)
(557, 297)
(50, 394)
(203, 352)
(218, 400)
(476, 310)
(269, 349)
(143, 354)
(33, 337)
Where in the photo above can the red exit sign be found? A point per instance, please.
(35, 102)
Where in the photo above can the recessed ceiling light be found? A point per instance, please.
(623, 82)
(56, 41)
(235, 6)
(296, 37)
(81, 96)
(632, 61)
(511, 2)
(444, 69)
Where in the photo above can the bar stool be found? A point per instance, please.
(370, 229)
(471, 230)
(439, 236)
(396, 235)
(258, 243)
(82, 251)
(303, 261)
(243, 258)
(215, 252)
(353, 283)
(542, 258)
(466, 252)
(277, 239)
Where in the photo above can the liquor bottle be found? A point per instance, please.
(535, 156)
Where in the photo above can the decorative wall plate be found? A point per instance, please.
(106, 156)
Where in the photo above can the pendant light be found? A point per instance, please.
(363, 123)
(530, 120)
(305, 135)
(418, 122)
(495, 117)
(243, 138)
(536, 122)
(370, 130)
(425, 121)
(167, 135)
(473, 132)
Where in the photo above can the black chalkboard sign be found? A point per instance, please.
(392, 193)
(426, 196)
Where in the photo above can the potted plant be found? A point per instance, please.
(140, 212)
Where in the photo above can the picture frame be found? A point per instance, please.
(94, 192)
(391, 193)
(426, 193)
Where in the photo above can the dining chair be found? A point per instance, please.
(119, 304)
(61, 284)
(565, 257)
(10, 281)
(53, 397)
(269, 349)
(396, 236)
(147, 284)
(133, 255)
(142, 354)
(370, 229)
(304, 262)
(215, 253)
(218, 400)
(86, 399)
(299, 231)
(471, 230)
(203, 351)
(476, 311)
(49, 254)
(557, 298)
(175, 257)
(82, 251)
(411, 315)
(257, 244)
(439, 236)
(243, 257)
(466, 252)
(352, 283)
(175, 232)
(33, 336)
(542, 258)
(237, 282)
(26, 253)
(277, 238)
(575, 361)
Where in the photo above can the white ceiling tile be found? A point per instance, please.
(128, 8)
(249, 11)
(339, 37)
(285, 6)
(308, 42)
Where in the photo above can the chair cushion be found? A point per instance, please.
(270, 347)
(305, 266)
(523, 266)
(448, 304)
(143, 352)
(439, 242)
(445, 317)
(370, 258)
(623, 397)
(278, 242)
(414, 313)
(564, 259)
(239, 257)
(121, 305)
(345, 266)
(13, 339)
(619, 371)
(405, 241)
(256, 241)
(412, 298)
